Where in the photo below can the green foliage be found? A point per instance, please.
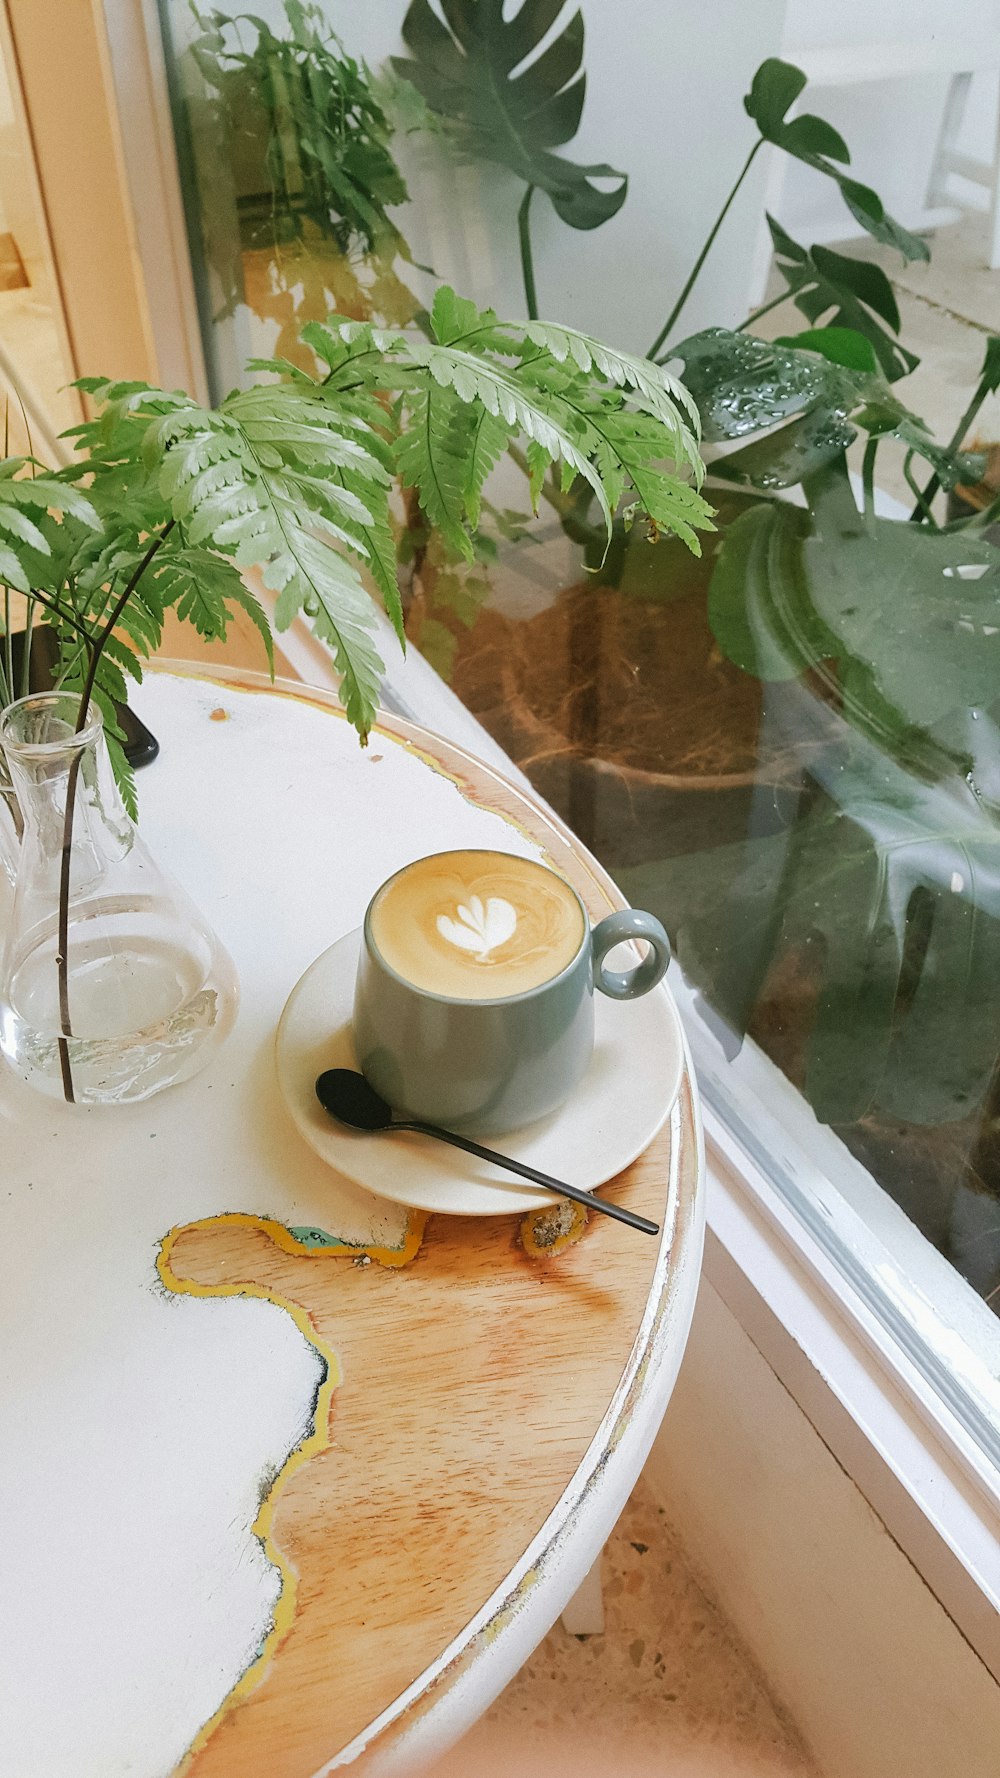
(887, 889)
(479, 384)
(466, 70)
(306, 135)
(470, 72)
(856, 297)
(25, 500)
(294, 152)
(776, 86)
(292, 478)
(742, 385)
(891, 874)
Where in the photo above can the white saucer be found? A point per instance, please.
(622, 1101)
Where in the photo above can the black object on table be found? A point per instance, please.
(353, 1101)
(140, 744)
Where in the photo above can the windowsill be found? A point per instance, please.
(910, 1456)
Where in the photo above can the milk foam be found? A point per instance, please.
(477, 925)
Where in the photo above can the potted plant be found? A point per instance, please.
(302, 177)
(840, 685)
(169, 503)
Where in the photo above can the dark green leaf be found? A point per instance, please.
(990, 372)
(776, 86)
(884, 417)
(787, 456)
(743, 384)
(847, 294)
(866, 207)
(758, 600)
(884, 898)
(808, 135)
(842, 345)
(920, 609)
(466, 73)
(925, 1054)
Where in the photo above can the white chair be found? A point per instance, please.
(949, 160)
(960, 55)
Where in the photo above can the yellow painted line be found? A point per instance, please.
(319, 1439)
(550, 1231)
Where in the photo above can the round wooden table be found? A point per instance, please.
(292, 1477)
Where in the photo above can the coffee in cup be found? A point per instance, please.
(474, 1006)
(476, 925)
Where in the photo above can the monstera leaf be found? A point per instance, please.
(826, 381)
(856, 297)
(892, 875)
(466, 71)
(911, 616)
(810, 139)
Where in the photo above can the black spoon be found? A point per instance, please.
(349, 1098)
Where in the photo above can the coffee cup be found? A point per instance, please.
(474, 1002)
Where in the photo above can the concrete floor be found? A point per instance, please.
(669, 1691)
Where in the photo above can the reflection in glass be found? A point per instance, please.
(35, 362)
(787, 747)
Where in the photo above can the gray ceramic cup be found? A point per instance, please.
(494, 1065)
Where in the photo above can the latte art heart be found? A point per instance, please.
(477, 925)
(480, 929)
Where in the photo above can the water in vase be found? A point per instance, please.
(146, 991)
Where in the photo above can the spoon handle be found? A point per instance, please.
(605, 1205)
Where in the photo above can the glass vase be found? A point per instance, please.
(113, 985)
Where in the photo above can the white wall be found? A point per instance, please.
(665, 85)
(890, 126)
(873, 1671)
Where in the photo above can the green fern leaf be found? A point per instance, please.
(516, 402)
(432, 457)
(125, 656)
(660, 393)
(455, 317)
(538, 464)
(490, 438)
(630, 447)
(12, 572)
(288, 501)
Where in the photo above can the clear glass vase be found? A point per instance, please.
(141, 992)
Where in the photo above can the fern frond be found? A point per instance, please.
(292, 487)
(432, 456)
(490, 438)
(629, 449)
(555, 386)
(26, 502)
(660, 393)
(204, 589)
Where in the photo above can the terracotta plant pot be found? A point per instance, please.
(628, 719)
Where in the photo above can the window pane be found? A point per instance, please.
(786, 745)
(35, 364)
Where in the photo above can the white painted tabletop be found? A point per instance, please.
(135, 1423)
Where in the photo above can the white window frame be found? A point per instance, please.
(868, 1381)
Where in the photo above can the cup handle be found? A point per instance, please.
(630, 983)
